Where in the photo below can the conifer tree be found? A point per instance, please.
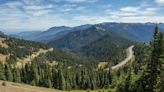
(2, 72)
(9, 75)
(154, 64)
(62, 83)
(16, 76)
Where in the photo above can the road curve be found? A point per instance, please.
(126, 60)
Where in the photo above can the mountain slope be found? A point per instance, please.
(16, 49)
(46, 35)
(20, 52)
(29, 35)
(18, 87)
(108, 48)
(51, 33)
(77, 39)
(96, 42)
(141, 32)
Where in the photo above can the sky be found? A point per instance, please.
(40, 15)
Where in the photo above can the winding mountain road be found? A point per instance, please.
(126, 60)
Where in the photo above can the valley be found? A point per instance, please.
(93, 60)
(81, 46)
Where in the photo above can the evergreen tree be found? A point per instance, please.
(9, 75)
(62, 83)
(49, 83)
(153, 70)
(16, 76)
(2, 72)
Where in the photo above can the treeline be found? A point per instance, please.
(59, 77)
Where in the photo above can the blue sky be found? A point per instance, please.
(29, 15)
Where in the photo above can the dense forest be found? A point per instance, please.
(144, 74)
(95, 42)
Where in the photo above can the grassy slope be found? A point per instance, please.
(17, 87)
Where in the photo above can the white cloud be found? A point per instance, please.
(150, 11)
(38, 12)
(39, 7)
(34, 14)
(118, 13)
(124, 14)
(13, 5)
(81, 9)
(32, 2)
(130, 9)
(81, 1)
(99, 19)
(90, 19)
(160, 1)
(34, 23)
(133, 11)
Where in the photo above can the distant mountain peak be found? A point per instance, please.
(59, 28)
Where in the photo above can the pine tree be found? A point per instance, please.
(154, 63)
(128, 81)
(49, 83)
(9, 75)
(16, 76)
(140, 88)
(62, 83)
(2, 72)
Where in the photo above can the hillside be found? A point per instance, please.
(17, 87)
(21, 52)
(28, 35)
(77, 39)
(16, 49)
(96, 42)
(110, 48)
(141, 32)
(50, 33)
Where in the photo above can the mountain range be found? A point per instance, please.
(104, 41)
(80, 57)
(50, 34)
(141, 32)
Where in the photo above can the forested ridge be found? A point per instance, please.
(144, 74)
(18, 48)
(96, 42)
